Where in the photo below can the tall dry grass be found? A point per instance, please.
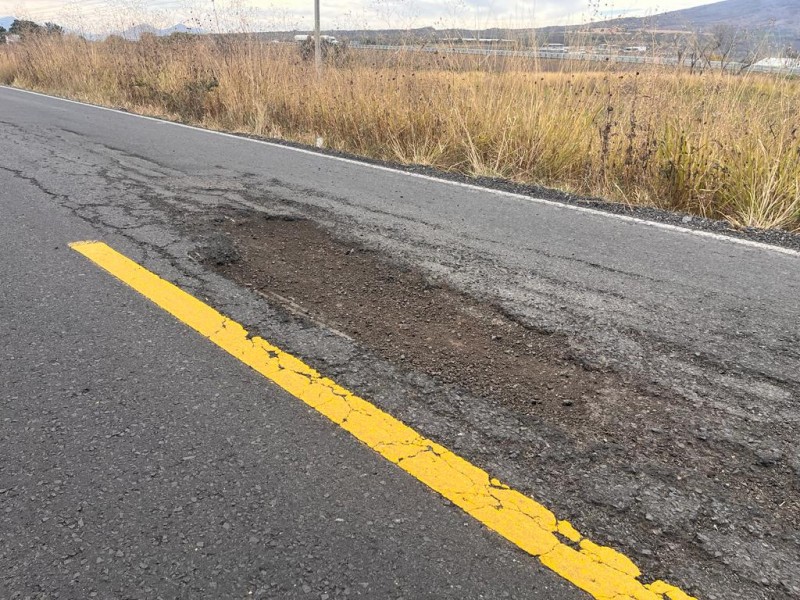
(717, 145)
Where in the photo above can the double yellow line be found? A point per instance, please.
(601, 571)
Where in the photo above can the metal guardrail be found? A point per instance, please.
(585, 56)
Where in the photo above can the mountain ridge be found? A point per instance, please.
(753, 15)
(779, 17)
(136, 31)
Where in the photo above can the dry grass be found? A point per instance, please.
(716, 145)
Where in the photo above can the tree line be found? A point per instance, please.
(24, 28)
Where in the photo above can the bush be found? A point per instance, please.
(335, 53)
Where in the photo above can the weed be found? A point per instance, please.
(713, 144)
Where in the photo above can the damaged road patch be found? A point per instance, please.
(618, 453)
(405, 317)
(600, 571)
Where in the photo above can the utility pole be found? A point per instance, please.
(317, 40)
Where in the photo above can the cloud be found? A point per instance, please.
(336, 14)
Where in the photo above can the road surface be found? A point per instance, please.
(136, 457)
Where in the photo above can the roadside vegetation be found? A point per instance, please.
(713, 144)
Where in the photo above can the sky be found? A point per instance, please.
(101, 16)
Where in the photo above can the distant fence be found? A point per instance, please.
(588, 56)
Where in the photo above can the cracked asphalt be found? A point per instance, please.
(138, 462)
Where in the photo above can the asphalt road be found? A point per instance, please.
(104, 398)
(138, 460)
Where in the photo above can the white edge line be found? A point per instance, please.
(469, 186)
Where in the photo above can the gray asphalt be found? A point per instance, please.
(712, 321)
(140, 461)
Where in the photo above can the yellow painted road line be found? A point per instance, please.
(602, 572)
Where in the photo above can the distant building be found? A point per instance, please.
(12, 38)
(778, 64)
(472, 40)
(555, 48)
(459, 40)
(635, 49)
(305, 37)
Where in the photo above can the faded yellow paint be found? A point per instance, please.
(568, 531)
(669, 591)
(601, 571)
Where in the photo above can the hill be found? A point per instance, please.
(779, 16)
(135, 32)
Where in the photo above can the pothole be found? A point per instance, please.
(616, 447)
(405, 317)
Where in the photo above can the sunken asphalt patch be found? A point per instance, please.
(589, 442)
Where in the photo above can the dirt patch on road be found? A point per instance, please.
(428, 327)
(407, 318)
(630, 458)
